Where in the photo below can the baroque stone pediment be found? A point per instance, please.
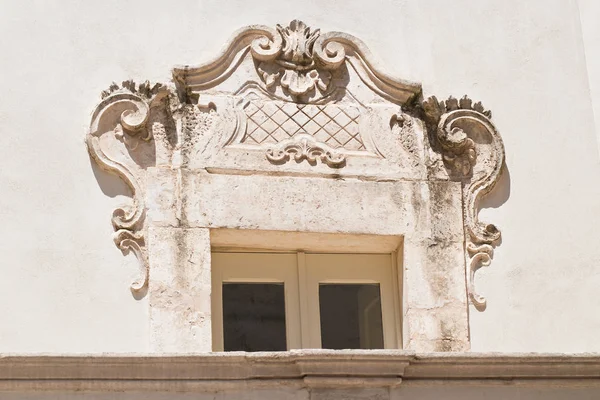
(293, 101)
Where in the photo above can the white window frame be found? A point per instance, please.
(301, 274)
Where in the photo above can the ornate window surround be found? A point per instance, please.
(302, 274)
(298, 135)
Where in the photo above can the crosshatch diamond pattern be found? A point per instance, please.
(272, 122)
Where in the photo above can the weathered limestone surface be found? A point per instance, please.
(425, 392)
(179, 290)
(435, 304)
(298, 131)
(302, 374)
(65, 284)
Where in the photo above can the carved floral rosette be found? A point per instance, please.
(294, 112)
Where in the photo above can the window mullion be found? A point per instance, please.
(303, 299)
(217, 307)
(396, 285)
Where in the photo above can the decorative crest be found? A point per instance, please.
(295, 68)
(298, 43)
(295, 62)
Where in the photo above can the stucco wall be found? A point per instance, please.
(589, 11)
(63, 284)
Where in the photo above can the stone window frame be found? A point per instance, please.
(302, 325)
(197, 185)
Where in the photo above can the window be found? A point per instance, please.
(283, 301)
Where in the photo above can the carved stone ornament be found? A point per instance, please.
(295, 67)
(297, 103)
(305, 147)
(473, 151)
(120, 141)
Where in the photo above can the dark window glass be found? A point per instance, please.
(254, 317)
(350, 316)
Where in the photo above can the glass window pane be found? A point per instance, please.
(350, 316)
(254, 317)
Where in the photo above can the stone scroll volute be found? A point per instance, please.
(293, 101)
(128, 128)
(472, 152)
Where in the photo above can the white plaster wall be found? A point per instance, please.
(63, 284)
(589, 11)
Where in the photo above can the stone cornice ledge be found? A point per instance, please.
(301, 368)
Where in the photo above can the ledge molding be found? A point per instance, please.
(299, 368)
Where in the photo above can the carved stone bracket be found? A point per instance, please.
(305, 147)
(473, 153)
(119, 141)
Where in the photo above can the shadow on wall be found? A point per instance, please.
(110, 184)
(501, 192)
(483, 255)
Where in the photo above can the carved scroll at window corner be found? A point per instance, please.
(473, 152)
(123, 117)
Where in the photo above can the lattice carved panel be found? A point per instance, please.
(270, 122)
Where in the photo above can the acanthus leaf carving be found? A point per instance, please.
(459, 150)
(122, 117)
(403, 126)
(294, 64)
(473, 152)
(305, 147)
